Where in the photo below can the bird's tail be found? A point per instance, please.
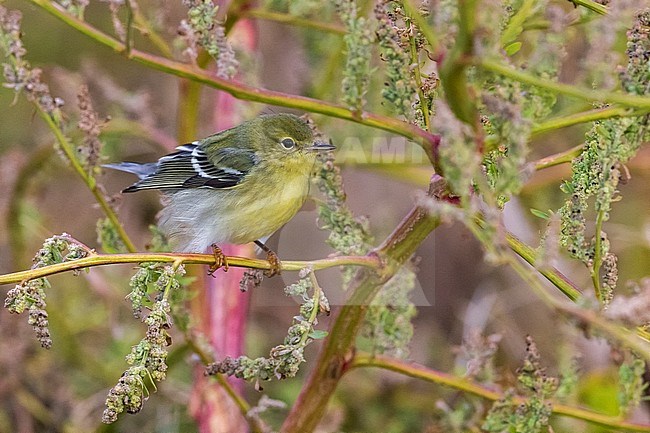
(140, 170)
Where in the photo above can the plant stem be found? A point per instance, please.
(425, 139)
(88, 180)
(415, 61)
(464, 385)
(338, 346)
(558, 279)
(583, 117)
(293, 20)
(598, 256)
(256, 424)
(315, 308)
(147, 30)
(129, 26)
(453, 76)
(640, 102)
(422, 24)
(202, 259)
(585, 317)
(558, 158)
(591, 5)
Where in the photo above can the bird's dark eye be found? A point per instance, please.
(288, 143)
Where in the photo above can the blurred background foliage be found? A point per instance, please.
(456, 294)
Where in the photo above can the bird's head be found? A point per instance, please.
(288, 138)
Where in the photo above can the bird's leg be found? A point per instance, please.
(272, 258)
(220, 260)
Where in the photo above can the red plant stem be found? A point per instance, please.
(225, 306)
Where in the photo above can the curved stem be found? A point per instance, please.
(147, 30)
(241, 91)
(422, 24)
(201, 259)
(461, 384)
(453, 70)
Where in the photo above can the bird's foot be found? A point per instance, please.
(220, 260)
(274, 261)
(272, 258)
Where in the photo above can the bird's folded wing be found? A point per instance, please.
(190, 167)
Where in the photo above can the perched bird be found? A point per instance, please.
(236, 186)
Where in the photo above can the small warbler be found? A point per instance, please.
(236, 186)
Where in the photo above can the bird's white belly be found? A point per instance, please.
(196, 218)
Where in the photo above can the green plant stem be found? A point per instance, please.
(558, 158)
(591, 5)
(190, 259)
(293, 20)
(586, 318)
(241, 91)
(415, 61)
(316, 306)
(556, 277)
(453, 77)
(583, 117)
(88, 180)
(464, 385)
(544, 24)
(516, 23)
(627, 100)
(594, 319)
(598, 256)
(147, 31)
(129, 26)
(422, 24)
(189, 103)
(338, 346)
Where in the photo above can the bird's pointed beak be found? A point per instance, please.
(321, 146)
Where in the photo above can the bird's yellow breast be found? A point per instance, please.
(194, 219)
(270, 201)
